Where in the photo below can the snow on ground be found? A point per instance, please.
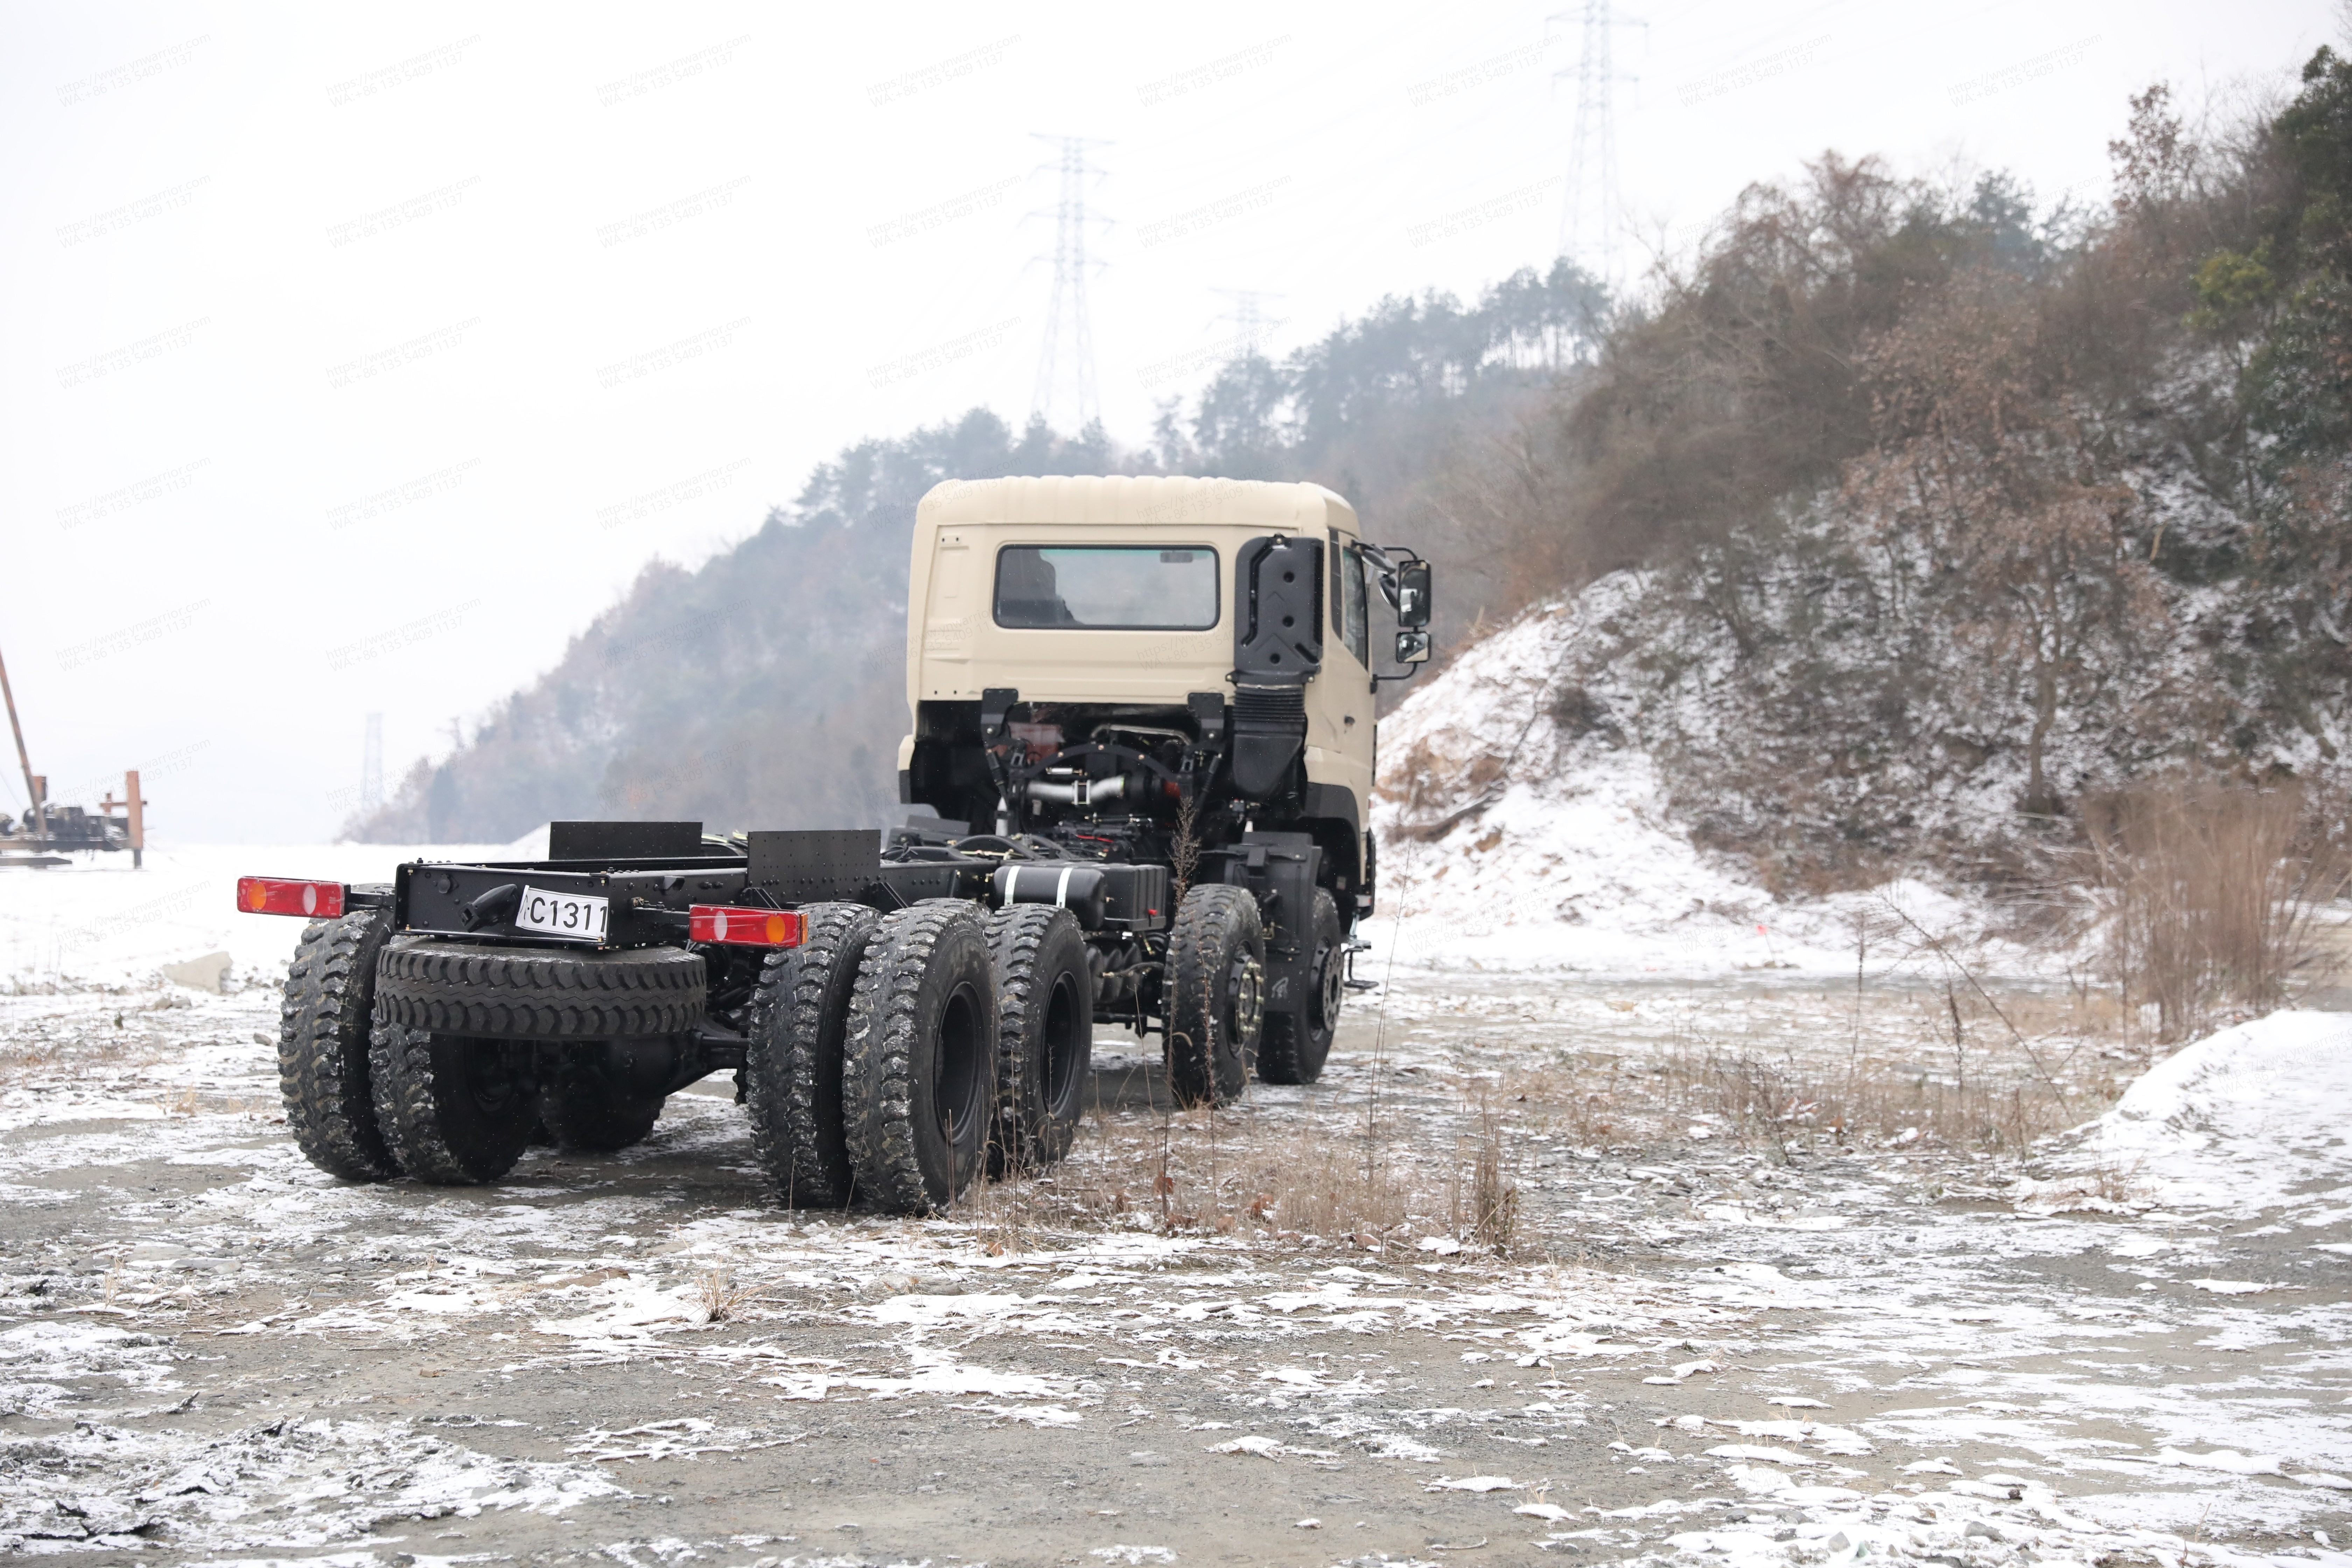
(97, 922)
(2253, 1117)
(1705, 1352)
(1708, 1355)
(1520, 835)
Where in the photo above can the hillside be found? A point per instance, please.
(767, 687)
(1905, 524)
(1910, 524)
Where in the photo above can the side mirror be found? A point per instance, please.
(1412, 597)
(1412, 645)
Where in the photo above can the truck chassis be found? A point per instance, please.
(898, 1024)
(1173, 840)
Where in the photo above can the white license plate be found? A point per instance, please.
(574, 916)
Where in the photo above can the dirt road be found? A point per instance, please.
(208, 1351)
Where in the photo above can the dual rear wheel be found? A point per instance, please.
(443, 1062)
(893, 1059)
(889, 1060)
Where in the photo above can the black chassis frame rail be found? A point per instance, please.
(650, 897)
(650, 900)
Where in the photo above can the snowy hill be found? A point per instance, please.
(1522, 825)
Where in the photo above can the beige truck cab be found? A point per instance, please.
(1165, 672)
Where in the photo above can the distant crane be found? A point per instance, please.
(34, 808)
(69, 827)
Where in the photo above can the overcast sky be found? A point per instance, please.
(355, 357)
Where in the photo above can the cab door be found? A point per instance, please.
(1340, 703)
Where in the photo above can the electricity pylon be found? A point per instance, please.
(1252, 326)
(1590, 208)
(1069, 357)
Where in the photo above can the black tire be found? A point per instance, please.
(1299, 1029)
(538, 993)
(793, 1054)
(457, 1111)
(322, 1047)
(586, 1108)
(1216, 975)
(1044, 1035)
(917, 1099)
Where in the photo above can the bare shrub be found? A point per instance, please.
(2119, 1184)
(1184, 853)
(1436, 790)
(1992, 1099)
(721, 1294)
(1228, 1174)
(2208, 893)
(1493, 1215)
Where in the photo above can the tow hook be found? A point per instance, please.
(491, 907)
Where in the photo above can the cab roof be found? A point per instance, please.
(1142, 502)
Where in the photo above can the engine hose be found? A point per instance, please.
(1112, 788)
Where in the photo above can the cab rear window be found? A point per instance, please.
(1107, 587)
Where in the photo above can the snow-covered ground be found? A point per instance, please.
(98, 921)
(1699, 1353)
(2254, 1118)
(1518, 835)
(2127, 1348)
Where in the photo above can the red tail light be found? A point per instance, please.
(746, 928)
(271, 896)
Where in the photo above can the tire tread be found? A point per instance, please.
(877, 1069)
(323, 1065)
(443, 987)
(798, 1013)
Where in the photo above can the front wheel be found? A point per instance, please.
(1298, 1033)
(1216, 979)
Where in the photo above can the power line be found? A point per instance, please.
(1590, 212)
(1069, 358)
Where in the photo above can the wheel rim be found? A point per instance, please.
(1330, 987)
(1245, 1000)
(491, 1078)
(957, 1083)
(1069, 1042)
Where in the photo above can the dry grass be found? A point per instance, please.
(1976, 1098)
(2208, 894)
(721, 1294)
(1235, 1174)
(1492, 1219)
(30, 1056)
